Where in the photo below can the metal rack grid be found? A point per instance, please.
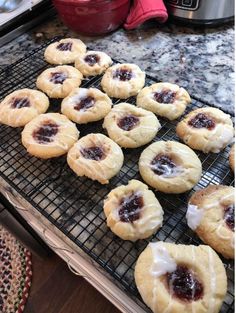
(75, 205)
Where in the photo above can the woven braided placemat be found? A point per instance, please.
(15, 274)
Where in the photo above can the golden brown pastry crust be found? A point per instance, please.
(207, 140)
(61, 142)
(54, 55)
(172, 109)
(202, 260)
(100, 170)
(184, 176)
(87, 69)
(100, 108)
(38, 103)
(117, 88)
(151, 213)
(207, 207)
(73, 79)
(145, 129)
(232, 158)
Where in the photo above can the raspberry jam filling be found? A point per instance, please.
(46, 132)
(163, 165)
(130, 207)
(19, 103)
(92, 59)
(183, 284)
(123, 74)
(58, 77)
(128, 122)
(85, 104)
(93, 153)
(165, 96)
(64, 46)
(229, 216)
(201, 120)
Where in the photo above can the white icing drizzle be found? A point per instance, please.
(169, 172)
(219, 137)
(194, 216)
(78, 95)
(162, 263)
(212, 282)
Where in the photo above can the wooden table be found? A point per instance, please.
(55, 289)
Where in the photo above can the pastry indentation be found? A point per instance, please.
(46, 132)
(64, 46)
(58, 77)
(130, 207)
(184, 284)
(128, 122)
(229, 216)
(85, 103)
(163, 165)
(123, 74)
(202, 120)
(165, 96)
(92, 59)
(19, 103)
(93, 153)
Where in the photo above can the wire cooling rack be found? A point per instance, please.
(75, 205)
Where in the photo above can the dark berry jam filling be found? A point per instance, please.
(229, 216)
(130, 207)
(93, 153)
(46, 132)
(66, 46)
(201, 120)
(58, 77)
(85, 104)
(123, 74)
(19, 103)
(163, 165)
(183, 284)
(128, 122)
(165, 96)
(92, 59)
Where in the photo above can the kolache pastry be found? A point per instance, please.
(177, 278)
(59, 81)
(21, 106)
(64, 51)
(232, 157)
(129, 126)
(132, 211)
(123, 80)
(164, 99)
(86, 105)
(211, 215)
(206, 129)
(97, 157)
(93, 63)
(170, 167)
(49, 135)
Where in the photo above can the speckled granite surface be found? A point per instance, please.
(201, 60)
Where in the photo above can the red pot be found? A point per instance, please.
(93, 17)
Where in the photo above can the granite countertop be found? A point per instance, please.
(199, 59)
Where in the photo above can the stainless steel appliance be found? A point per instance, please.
(201, 11)
(28, 14)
